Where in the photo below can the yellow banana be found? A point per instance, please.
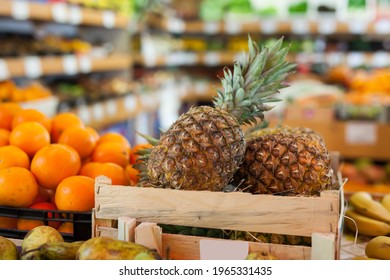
(365, 225)
(378, 248)
(364, 204)
(386, 201)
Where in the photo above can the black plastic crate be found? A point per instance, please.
(82, 221)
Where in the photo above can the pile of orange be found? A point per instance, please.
(51, 163)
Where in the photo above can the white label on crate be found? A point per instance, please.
(176, 25)
(108, 19)
(357, 26)
(355, 59)
(84, 114)
(75, 15)
(223, 249)
(98, 111)
(361, 133)
(232, 27)
(130, 103)
(4, 72)
(327, 26)
(300, 26)
(20, 10)
(211, 27)
(268, 26)
(32, 67)
(69, 63)
(59, 12)
(212, 59)
(380, 59)
(85, 64)
(382, 26)
(111, 107)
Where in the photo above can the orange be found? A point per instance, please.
(9, 223)
(133, 154)
(111, 152)
(76, 193)
(62, 121)
(132, 174)
(53, 163)
(111, 170)
(30, 137)
(82, 139)
(18, 187)
(11, 156)
(31, 115)
(43, 195)
(66, 227)
(114, 137)
(28, 224)
(7, 112)
(4, 137)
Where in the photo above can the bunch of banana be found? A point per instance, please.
(378, 248)
(372, 217)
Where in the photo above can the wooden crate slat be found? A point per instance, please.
(237, 211)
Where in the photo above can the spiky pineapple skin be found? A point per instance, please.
(292, 161)
(200, 151)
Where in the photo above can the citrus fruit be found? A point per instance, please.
(53, 163)
(114, 137)
(111, 152)
(61, 122)
(12, 156)
(31, 115)
(111, 170)
(134, 151)
(66, 227)
(18, 187)
(9, 223)
(7, 112)
(4, 137)
(30, 137)
(28, 224)
(132, 174)
(82, 139)
(76, 193)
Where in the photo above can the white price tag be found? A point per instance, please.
(355, 59)
(327, 26)
(69, 63)
(20, 9)
(59, 12)
(223, 250)
(130, 103)
(334, 58)
(380, 59)
(98, 111)
(211, 27)
(176, 25)
(111, 107)
(75, 15)
(32, 67)
(361, 133)
(268, 26)
(84, 114)
(300, 26)
(357, 27)
(108, 19)
(212, 59)
(382, 26)
(232, 27)
(85, 64)
(4, 72)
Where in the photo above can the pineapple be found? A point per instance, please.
(204, 148)
(286, 160)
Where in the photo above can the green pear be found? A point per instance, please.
(8, 250)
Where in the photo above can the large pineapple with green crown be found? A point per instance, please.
(204, 148)
(285, 160)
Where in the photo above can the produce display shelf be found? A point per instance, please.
(81, 221)
(324, 26)
(61, 13)
(218, 58)
(38, 66)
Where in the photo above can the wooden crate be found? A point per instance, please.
(315, 217)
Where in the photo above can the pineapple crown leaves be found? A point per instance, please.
(251, 85)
